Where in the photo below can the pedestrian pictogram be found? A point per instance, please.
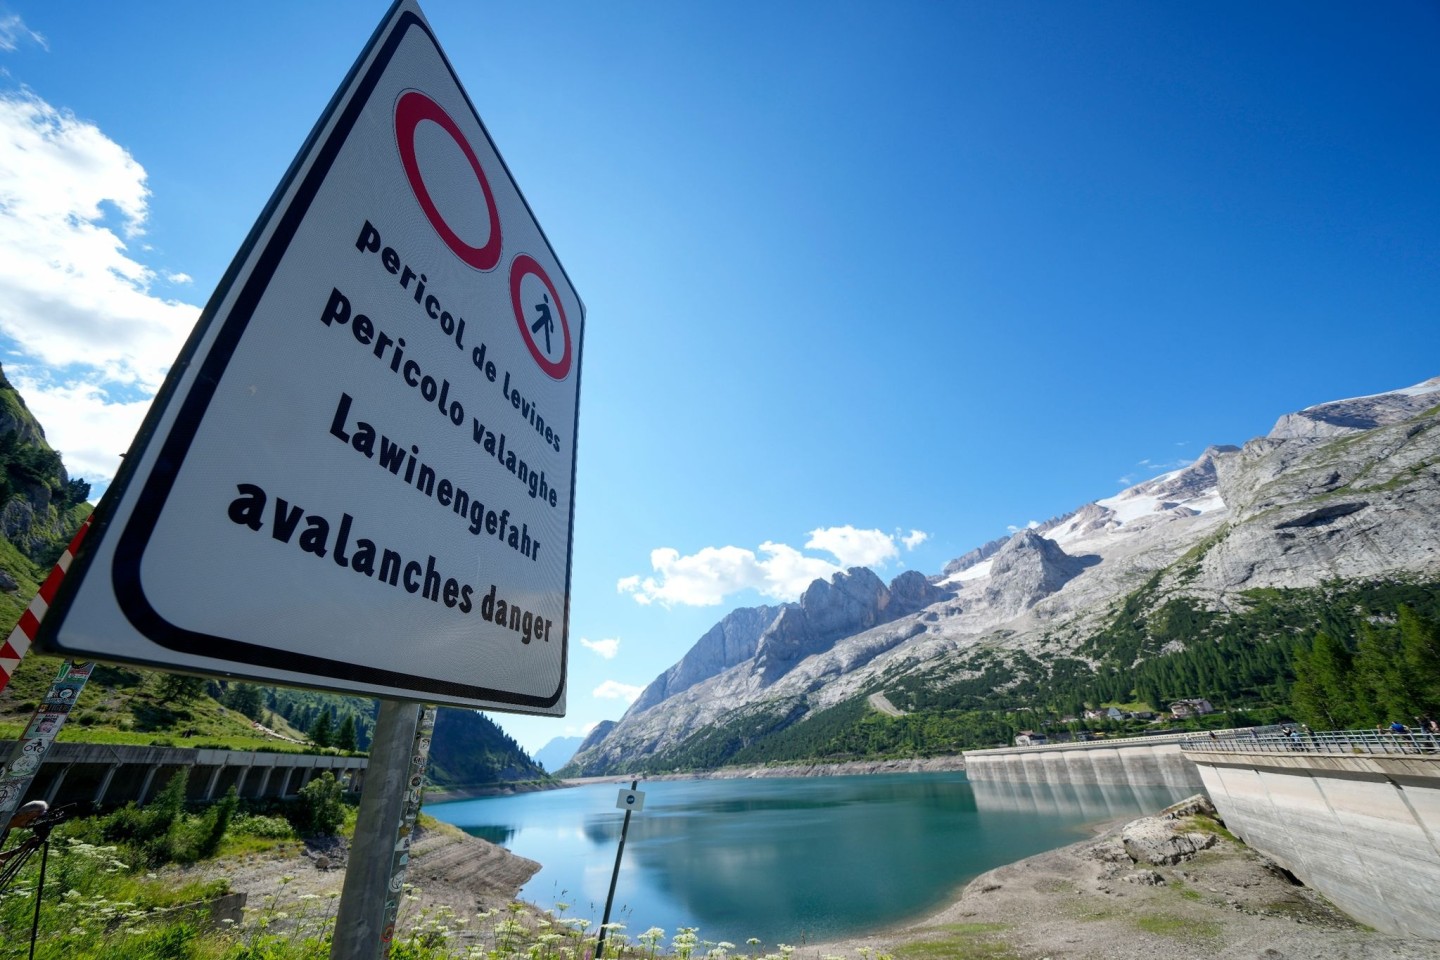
(546, 322)
(538, 311)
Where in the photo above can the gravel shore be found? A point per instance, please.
(1092, 901)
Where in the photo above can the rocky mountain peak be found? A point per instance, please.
(1026, 570)
(912, 591)
(848, 603)
(1339, 417)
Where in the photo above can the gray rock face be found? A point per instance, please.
(1342, 417)
(601, 731)
(979, 555)
(1026, 570)
(1307, 509)
(912, 591)
(852, 601)
(730, 642)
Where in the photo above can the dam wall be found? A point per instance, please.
(1352, 814)
(1364, 830)
(1134, 761)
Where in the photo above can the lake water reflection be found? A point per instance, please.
(785, 860)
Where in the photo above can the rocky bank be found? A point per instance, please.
(1174, 886)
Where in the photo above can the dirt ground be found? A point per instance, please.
(448, 869)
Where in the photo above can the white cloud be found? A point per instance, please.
(914, 538)
(13, 32)
(778, 571)
(1029, 526)
(854, 548)
(92, 342)
(702, 579)
(607, 648)
(615, 690)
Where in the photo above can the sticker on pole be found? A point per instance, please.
(631, 800)
(360, 475)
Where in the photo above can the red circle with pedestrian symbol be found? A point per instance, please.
(541, 316)
(411, 110)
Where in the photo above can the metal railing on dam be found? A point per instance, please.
(1353, 813)
(1344, 742)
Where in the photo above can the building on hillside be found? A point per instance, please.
(1191, 707)
(1029, 738)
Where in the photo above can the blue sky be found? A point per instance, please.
(865, 283)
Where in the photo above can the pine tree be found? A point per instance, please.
(322, 733)
(178, 688)
(246, 699)
(1323, 695)
(345, 739)
(1380, 684)
(1420, 655)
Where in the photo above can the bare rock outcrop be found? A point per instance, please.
(1169, 837)
(1341, 417)
(730, 642)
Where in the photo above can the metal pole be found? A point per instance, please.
(369, 891)
(28, 753)
(615, 876)
(39, 891)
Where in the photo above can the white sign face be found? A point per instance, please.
(360, 475)
(632, 800)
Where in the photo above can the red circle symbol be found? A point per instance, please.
(538, 320)
(412, 108)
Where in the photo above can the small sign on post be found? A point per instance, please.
(630, 801)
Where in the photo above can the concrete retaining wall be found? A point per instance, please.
(1364, 831)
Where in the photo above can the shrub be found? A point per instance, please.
(262, 827)
(320, 807)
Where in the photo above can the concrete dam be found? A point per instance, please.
(1131, 762)
(1352, 814)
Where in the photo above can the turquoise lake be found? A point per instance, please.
(784, 860)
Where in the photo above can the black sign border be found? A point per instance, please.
(125, 570)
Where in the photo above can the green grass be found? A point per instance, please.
(1201, 824)
(122, 706)
(961, 941)
(1178, 928)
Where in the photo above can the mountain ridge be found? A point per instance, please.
(1341, 491)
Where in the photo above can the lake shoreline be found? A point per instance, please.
(854, 768)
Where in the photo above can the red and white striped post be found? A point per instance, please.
(18, 643)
